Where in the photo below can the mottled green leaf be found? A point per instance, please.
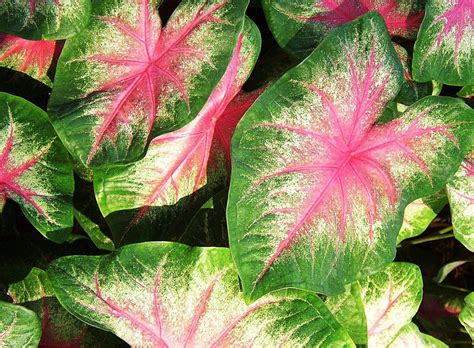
(125, 78)
(167, 294)
(44, 19)
(411, 337)
(34, 167)
(466, 317)
(318, 187)
(94, 232)
(461, 200)
(19, 327)
(443, 49)
(466, 92)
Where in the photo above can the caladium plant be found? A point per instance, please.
(171, 295)
(299, 26)
(34, 167)
(44, 19)
(125, 77)
(190, 164)
(443, 50)
(467, 315)
(19, 327)
(318, 188)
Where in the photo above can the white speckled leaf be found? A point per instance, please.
(44, 19)
(411, 337)
(126, 78)
(34, 168)
(318, 187)
(461, 201)
(160, 294)
(466, 317)
(443, 49)
(19, 327)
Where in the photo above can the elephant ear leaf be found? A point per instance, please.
(19, 327)
(318, 187)
(34, 168)
(125, 77)
(27, 56)
(178, 164)
(443, 49)
(160, 294)
(461, 201)
(44, 19)
(299, 26)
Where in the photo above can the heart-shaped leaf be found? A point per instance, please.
(125, 77)
(443, 50)
(162, 294)
(377, 307)
(411, 337)
(299, 26)
(34, 167)
(318, 187)
(181, 163)
(19, 327)
(44, 19)
(461, 201)
(30, 57)
(466, 317)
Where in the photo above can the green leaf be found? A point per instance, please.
(443, 49)
(466, 92)
(184, 168)
(448, 268)
(19, 327)
(300, 25)
(169, 294)
(410, 336)
(374, 309)
(466, 317)
(318, 187)
(419, 214)
(125, 79)
(94, 232)
(461, 200)
(44, 19)
(34, 168)
(60, 329)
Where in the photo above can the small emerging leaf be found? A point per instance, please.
(162, 294)
(19, 327)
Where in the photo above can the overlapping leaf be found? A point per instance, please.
(34, 167)
(443, 49)
(318, 187)
(125, 77)
(44, 19)
(466, 317)
(19, 327)
(181, 163)
(299, 26)
(30, 57)
(461, 201)
(171, 295)
(411, 337)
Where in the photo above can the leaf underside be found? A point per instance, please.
(318, 187)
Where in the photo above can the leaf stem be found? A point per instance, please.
(446, 230)
(430, 238)
(437, 87)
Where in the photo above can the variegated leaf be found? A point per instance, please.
(125, 77)
(44, 19)
(19, 327)
(189, 164)
(34, 167)
(443, 49)
(411, 337)
(466, 317)
(160, 294)
(33, 58)
(318, 187)
(461, 201)
(299, 26)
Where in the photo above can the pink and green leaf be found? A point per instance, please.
(34, 168)
(171, 295)
(125, 78)
(443, 49)
(299, 26)
(179, 164)
(461, 201)
(19, 327)
(33, 58)
(318, 188)
(44, 19)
